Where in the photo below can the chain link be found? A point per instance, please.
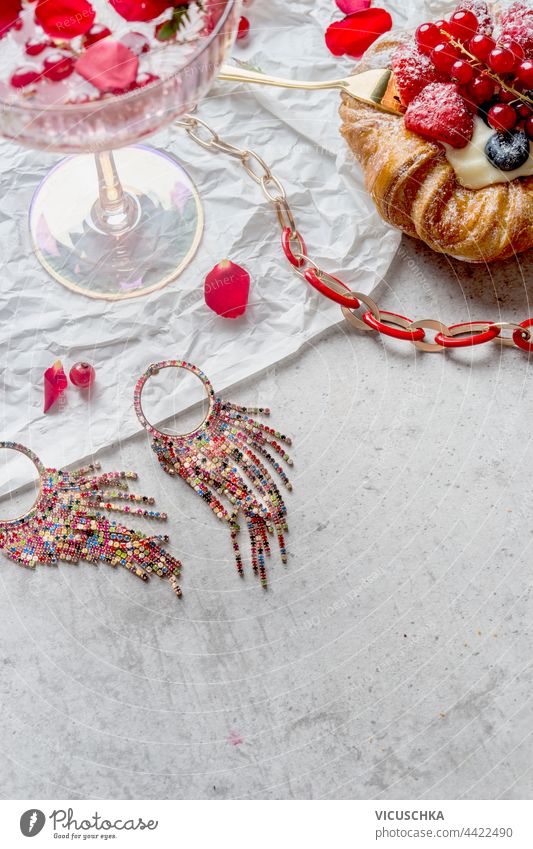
(471, 333)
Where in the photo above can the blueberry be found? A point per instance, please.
(507, 151)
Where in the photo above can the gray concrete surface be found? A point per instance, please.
(391, 658)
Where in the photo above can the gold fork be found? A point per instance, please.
(375, 87)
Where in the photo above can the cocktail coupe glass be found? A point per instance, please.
(119, 219)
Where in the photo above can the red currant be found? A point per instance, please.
(427, 37)
(481, 89)
(524, 73)
(443, 56)
(137, 42)
(480, 46)
(82, 375)
(96, 33)
(529, 127)
(465, 24)
(145, 79)
(506, 96)
(244, 28)
(34, 46)
(448, 30)
(501, 60)
(523, 110)
(461, 72)
(516, 49)
(502, 117)
(22, 77)
(58, 66)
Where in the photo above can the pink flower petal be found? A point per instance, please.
(227, 288)
(357, 32)
(350, 7)
(108, 65)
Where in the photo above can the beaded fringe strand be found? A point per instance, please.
(64, 527)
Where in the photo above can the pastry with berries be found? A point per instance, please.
(455, 169)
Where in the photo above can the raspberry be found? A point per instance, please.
(515, 13)
(522, 33)
(439, 113)
(413, 71)
(516, 24)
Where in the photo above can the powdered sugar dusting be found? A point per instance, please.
(440, 114)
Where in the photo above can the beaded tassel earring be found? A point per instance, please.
(63, 524)
(222, 460)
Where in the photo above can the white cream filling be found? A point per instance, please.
(472, 168)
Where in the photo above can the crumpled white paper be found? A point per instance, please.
(297, 133)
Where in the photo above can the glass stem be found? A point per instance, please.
(115, 211)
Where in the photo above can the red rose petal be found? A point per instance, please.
(55, 383)
(64, 18)
(350, 7)
(227, 288)
(141, 10)
(108, 65)
(356, 33)
(9, 14)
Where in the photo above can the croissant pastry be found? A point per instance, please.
(416, 189)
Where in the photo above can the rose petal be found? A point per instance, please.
(9, 14)
(356, 33)
(227, 288)
(108, 65)
(350, 7)
(64, 18)
(141, 10)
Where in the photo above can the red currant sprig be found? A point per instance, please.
(483, 69)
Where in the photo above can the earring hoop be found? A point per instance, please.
(27, 452)
(153, 370)
(226, 461)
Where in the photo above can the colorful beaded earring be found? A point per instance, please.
(219, 460)
(63, 524)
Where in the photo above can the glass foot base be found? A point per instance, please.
(163, 236)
